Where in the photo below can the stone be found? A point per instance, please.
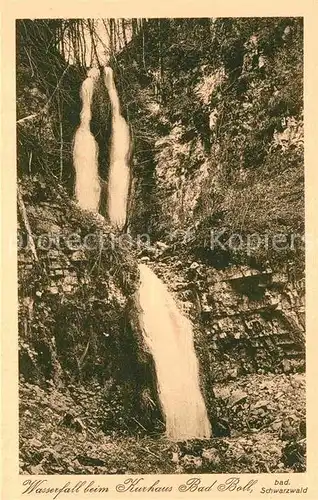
(249, 272)
(54, 436)
(206, 308)
(276, 426)
(211, 455)
(222, 392)
(52, 453)
(236, 398)
(175, 457)
(161, 246)
(78, 425)
(35, 443)
(235, 275)
(286, 365)
(278, 395)
(279, 278)
(194, 265)
(233, 373)
(190, 461)
(260, 404)
(36, 470)
(70, 280)
(287, 30)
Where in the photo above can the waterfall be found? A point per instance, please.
(167, 332)
(85, 151)
(169, 337)
(119, 173)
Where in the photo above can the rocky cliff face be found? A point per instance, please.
(77, 313)
(219, 151)
(253, 322)
(219, 135)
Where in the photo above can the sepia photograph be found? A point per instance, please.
(161, 246)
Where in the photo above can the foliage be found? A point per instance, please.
(47, 102)
(80, 331)
(234, 87)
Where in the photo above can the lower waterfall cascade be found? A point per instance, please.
(169, 337)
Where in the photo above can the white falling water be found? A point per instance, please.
(85, 151)
(169, 337)
(119, 172)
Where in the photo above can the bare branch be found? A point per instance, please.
(92, 32)
(44, 109)
(26, 223)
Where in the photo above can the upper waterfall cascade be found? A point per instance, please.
(119, 172)
(85, 154)
(85, 151)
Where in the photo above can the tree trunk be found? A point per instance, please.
(143, 43)
(123, 26)
(160, 62)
